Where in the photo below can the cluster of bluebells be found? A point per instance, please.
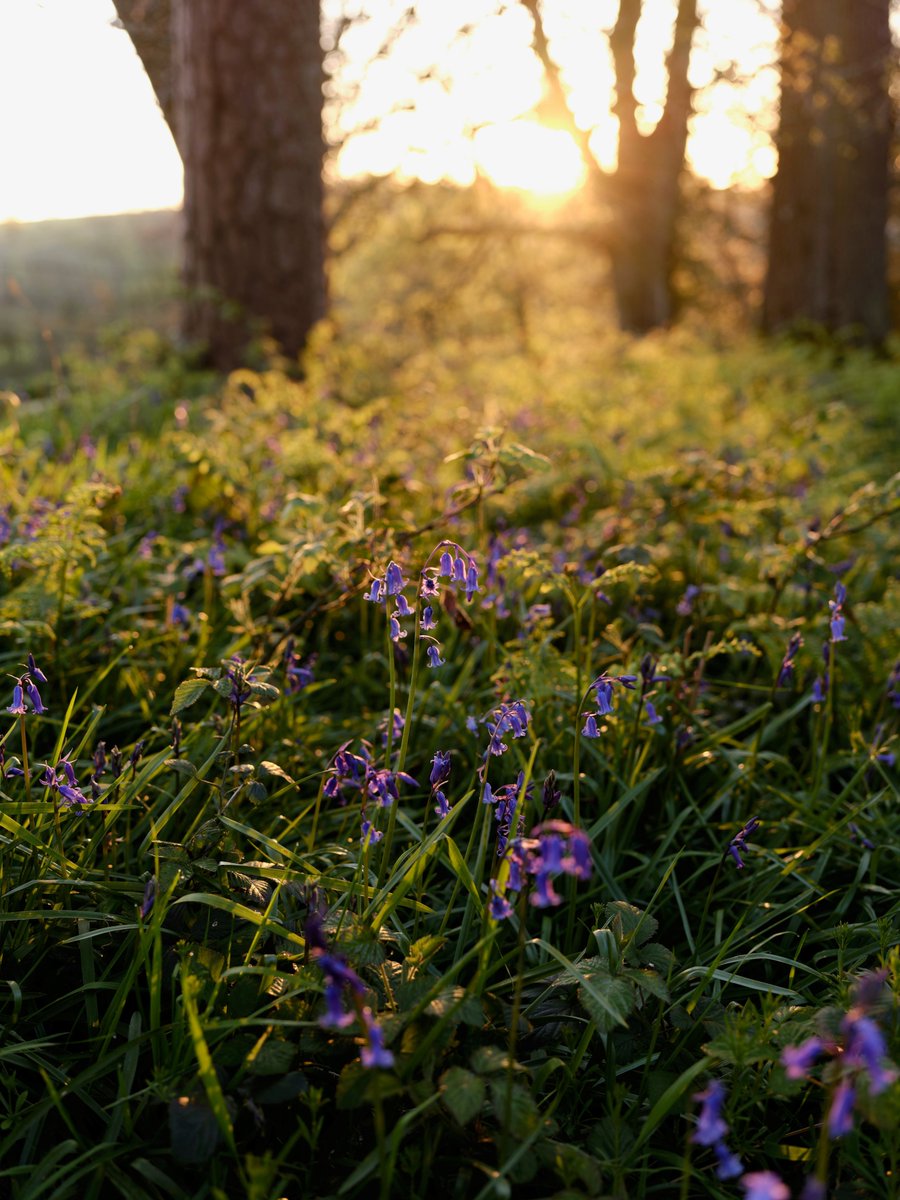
(509, 802)
(62, 784)
(858, 1055)
(341, 984)
(456, 568)
(26, 697)
(351, 773)
(602, 687)
(554, 848)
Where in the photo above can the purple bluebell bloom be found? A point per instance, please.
(376, 592)
(374, 1053)
(786, 673)
(430, 588)
(442, 808)
(397, 634)
(428, 622)
(729, 1164)
(798, 1060)
(544, 894)
(711, 1125)
(459, 570)
(394, 582)
(434, 656)
(403, 609)
(440, 768)
(590, 729)
(471, 580)
(17, 708)
(685, 605)
(840, 1114)
(764, 1185)
(653, 718)
(738, 842)
(500, 908)
(35, 671)
(369, 835)
(603, 692)
(445, 570)
(866, 1048)
(149, 898)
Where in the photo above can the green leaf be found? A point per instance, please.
(463, 1093)
(514, 1107)
(181, 766)
(488, 1059)
(186, 694)
(274, 1057)
(606, 999)
(626, 921)
(648, 981)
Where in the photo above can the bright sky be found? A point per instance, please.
(82, 133)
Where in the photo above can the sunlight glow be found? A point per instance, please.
(531, 157)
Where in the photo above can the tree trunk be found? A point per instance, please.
(642, 197)
(827, 247)
(247, 77)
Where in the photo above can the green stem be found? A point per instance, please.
(25, 771)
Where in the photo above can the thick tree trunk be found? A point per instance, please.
(827, 250)
(646, 186)
(642, 197)
(248, 108)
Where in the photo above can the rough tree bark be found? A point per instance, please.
(241, 89)
(642, 196)
(827, 246)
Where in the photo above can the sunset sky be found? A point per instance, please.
(83, 133)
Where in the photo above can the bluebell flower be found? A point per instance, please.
(397, 634)
(459, 570)
(35, 671)
(471, 724)
(786, 673)
(544, 894)
(374, 1053)
(653, 718)
(500, 908)
(369, 835)
(738, 842)
(375, 592)
(442, 808)
(729, 1164)
(149, 898)
(335, 1015)
(180, 614)
(427, 622)
(430, 588)
(445, 569)
(440, 768)
(17, 708)
(840, 1113)
(603, 692)
(764, 1185)
(866, 1048)
(711, 1125)
(394, 582)
(403, 609)
(434, 656)
(798, 1060)
(590, 729)
(471, 580)
(685, 605)
(820, 689)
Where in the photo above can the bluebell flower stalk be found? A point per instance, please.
(712, 1129)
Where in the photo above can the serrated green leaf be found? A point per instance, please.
(648, 981)
(606, 999)
(514, 1107)
(463, 1093)
(488, 1059)
(627, 921)
(274, 1057)
(186, 694)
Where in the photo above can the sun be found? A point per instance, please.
(530, 157)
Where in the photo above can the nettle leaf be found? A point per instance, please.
(463, 1093)
(273, 1058)
(514, 1107)
(654, 955)
(186, 694)
(181, 766)
(627, 921)
(265, 692)
(453, 1004)
(193, 1130)
(607, 999)
(488, 1059)
(648, 981)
